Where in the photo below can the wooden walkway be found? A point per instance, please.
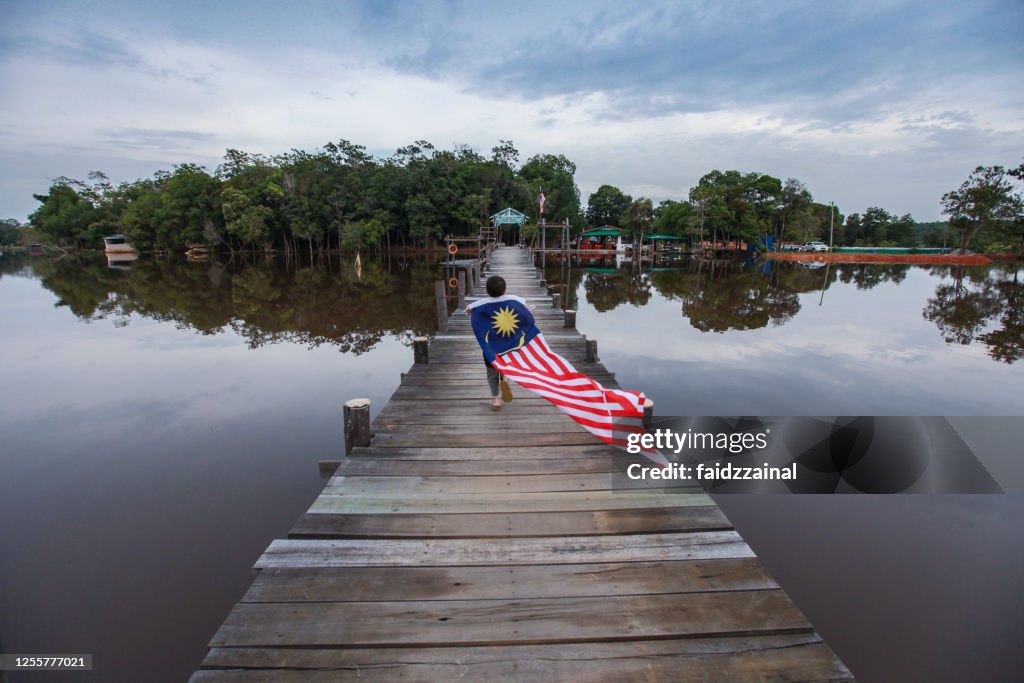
(466, 544)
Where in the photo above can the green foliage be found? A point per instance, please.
(988, 201)
(608, 206)
(342, 197)
(10, 232)
(638, 217)
(673, 218)
(556, 175)
(737, 205)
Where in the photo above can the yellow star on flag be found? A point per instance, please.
(505, 321)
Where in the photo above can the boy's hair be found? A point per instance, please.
(495, 286)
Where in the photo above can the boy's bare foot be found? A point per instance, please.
(496, 404)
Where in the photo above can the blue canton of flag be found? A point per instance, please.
(502, 324)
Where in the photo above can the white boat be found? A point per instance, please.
(118, 244)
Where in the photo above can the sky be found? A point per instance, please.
(870, 103)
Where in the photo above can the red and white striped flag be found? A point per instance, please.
(513, 345)
(609, 414)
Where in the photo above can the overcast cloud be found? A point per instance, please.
(870, 104)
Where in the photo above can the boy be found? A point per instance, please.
(496, 294)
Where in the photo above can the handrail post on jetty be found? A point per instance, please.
(421, 350)
(569, 318)
(591, 351)
(357, 423)
(442, 305)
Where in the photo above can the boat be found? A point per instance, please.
(118, 244)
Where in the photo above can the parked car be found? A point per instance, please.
(814, 246)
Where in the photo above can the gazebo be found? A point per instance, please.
(509, 216)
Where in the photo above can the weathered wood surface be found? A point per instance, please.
(467, 544)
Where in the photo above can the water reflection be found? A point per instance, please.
(265, 301)
(982, 304)
(974, 302)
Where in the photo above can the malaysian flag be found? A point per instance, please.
(541, 201)
(514, 346)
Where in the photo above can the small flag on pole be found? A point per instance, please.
(541, 201)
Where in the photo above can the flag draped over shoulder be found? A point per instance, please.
(514, 346)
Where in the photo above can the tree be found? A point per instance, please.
(556, 174)
(736, 205)
(673, 218)
(987, 200)
(607, 206)
(10, 231)
(638, 218)
(65, 215)
(795, 215)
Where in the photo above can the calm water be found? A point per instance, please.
(161, 424)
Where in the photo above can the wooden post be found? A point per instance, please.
(570, 318)
(543, 282)
(591, 350)
(648, 412)
(420, 352)
(556, 300)
(357, 423)
(551, 290)
(462, 289)
(442, 306)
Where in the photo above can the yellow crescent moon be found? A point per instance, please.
(522, 340)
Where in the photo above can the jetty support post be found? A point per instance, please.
(462, 289)
(591, 350)
(570, 318)
(420, 351)
(357, 423)
(556, 300)
(442, 306)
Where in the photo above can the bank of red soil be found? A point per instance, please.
(927, 259)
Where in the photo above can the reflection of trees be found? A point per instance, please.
(605, 292)
(730, 295)
(264, 302)
(973, 302)
(870, 275)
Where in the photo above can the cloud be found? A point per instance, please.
(873, 104)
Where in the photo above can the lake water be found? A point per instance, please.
(162, 423)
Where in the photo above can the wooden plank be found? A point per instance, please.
(386, 467)
(501, 502)
(449, 452)
(396, 584)
(749, 659)
(482, 485)
(567, 438)
(490, 551)
(504, 525)
(756, 659)
(444, 623)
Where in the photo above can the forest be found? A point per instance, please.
(340, 197)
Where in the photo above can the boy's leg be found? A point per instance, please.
(492, 383)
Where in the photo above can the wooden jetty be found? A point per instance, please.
(471, 545)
